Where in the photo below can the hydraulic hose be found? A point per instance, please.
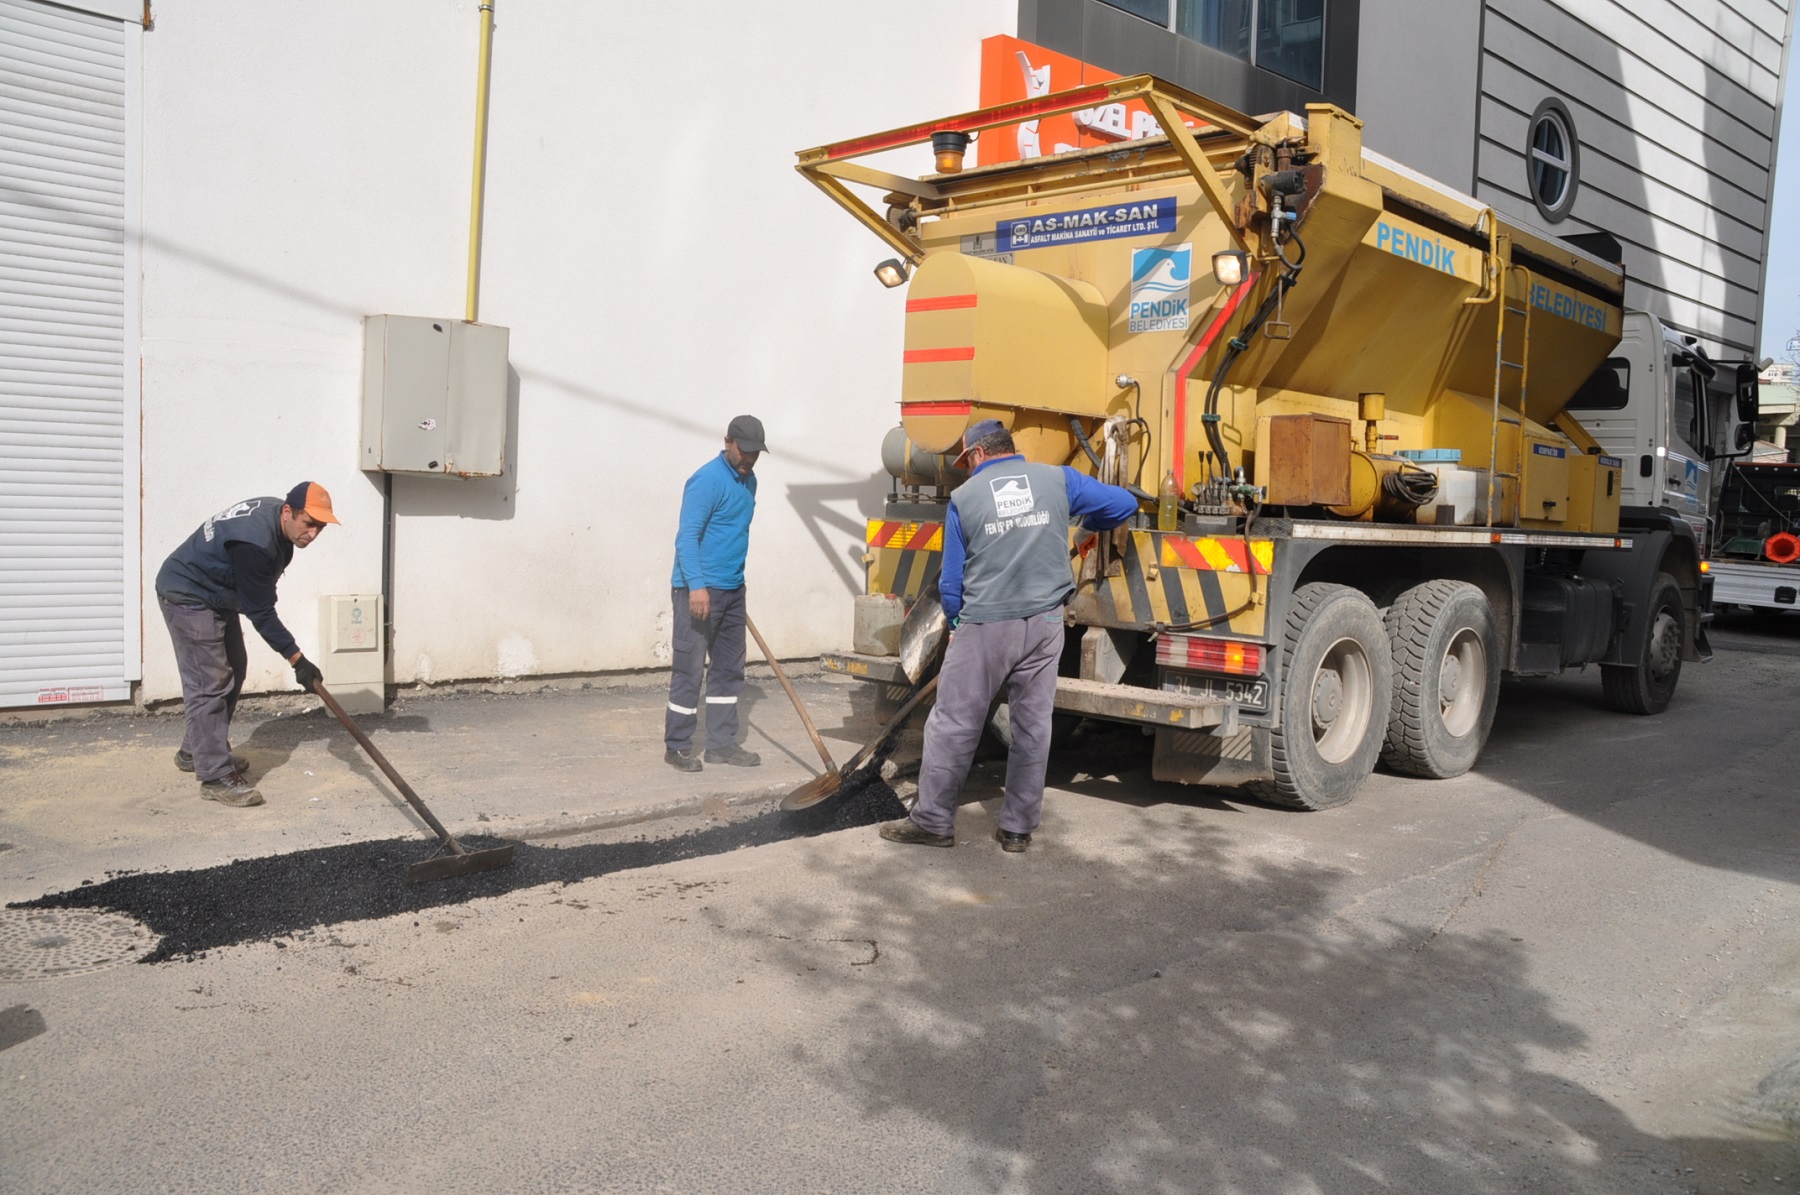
(1240, 343)
(1081, 439)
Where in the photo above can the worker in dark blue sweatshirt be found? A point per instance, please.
(708, 598)
(1004, 580)
(227, 567)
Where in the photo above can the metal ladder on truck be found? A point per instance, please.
(1512, 348)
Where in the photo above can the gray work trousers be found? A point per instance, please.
(209, 652)
(1022, 655)
(713, 650)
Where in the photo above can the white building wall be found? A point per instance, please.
(659, 262)
(1674, 103)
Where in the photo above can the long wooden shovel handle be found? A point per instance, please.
(382, 763)
(799, 708)
(919, 694)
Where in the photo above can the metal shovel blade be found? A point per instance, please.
(443, 867)
(813, 791)
(820, 787)
(923, 635)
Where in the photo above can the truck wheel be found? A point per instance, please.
(1337, 675)
(1646, 687)
(1446, 687)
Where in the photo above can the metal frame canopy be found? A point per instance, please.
(830, 167)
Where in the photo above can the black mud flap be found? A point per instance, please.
(1199, 757)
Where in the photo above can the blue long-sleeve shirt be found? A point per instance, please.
(713, 536)
(1102, 506)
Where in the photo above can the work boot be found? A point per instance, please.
(185, 762)
(231, 790)
(683, 761)
(734, 755)
(908, 831)
(1011, 842)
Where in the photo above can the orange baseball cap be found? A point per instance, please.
(313, 499)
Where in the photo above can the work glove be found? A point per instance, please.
(306, 672)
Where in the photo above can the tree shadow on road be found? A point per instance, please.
(1167, 1013)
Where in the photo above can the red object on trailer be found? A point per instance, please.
(1782, 548)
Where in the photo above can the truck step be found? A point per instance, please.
(1132, 703)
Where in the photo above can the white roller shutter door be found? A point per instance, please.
(69, 589)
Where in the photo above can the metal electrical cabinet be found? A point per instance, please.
(434, 396)
(351, 655)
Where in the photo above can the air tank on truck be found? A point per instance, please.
(1339, 390)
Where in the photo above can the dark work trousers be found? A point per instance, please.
(209, 652)
(720, 639)
(1020, 654)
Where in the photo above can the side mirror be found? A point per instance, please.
(1746, 436)
(1749, 395)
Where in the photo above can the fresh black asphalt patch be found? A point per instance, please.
(253, 900)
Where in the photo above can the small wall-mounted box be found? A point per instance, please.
(434, 396)
(352, 654)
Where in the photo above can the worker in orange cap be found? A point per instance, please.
(229, 566)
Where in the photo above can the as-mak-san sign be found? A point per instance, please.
(1141, 217)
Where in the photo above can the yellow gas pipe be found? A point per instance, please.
(473, 305)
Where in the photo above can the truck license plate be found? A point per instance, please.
(1250, 694)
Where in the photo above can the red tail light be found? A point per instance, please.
(1209, 655)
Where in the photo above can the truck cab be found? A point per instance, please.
(1675, 417)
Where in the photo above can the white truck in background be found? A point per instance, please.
(1684, 425)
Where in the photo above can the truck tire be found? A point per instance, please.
(1647, 686)
(1446, 682)
(1337, 675)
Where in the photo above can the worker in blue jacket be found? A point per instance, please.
(227, 567)
(708, 598)
(1004, 580)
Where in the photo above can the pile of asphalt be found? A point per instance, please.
(254, 900)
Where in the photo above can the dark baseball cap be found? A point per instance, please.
(978, 431)
(747, 431)
(312, 498)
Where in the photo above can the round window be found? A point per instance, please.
(1553, 160)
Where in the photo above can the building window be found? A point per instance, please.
(1286, 37)
(1154, 11)
(1552, 160)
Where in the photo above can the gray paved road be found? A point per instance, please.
(1572, 971)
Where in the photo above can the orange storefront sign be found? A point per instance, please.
(1013, 70)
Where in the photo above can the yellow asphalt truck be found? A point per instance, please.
(1341, 393)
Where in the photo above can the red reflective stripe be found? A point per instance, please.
(936, 408)
(940, 303)
(923, 535)
(1238, 551)
(1187, 367)
(1188, 551)
(928, 356)
(1005, 114)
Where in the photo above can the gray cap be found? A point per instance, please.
(975, 433)
(747, 432)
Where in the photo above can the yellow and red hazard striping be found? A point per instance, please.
(904, 557)
(1218, 555)
(891, 533)
(1142, 589)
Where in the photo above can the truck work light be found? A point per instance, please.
(1230, 266)
(892, 272)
